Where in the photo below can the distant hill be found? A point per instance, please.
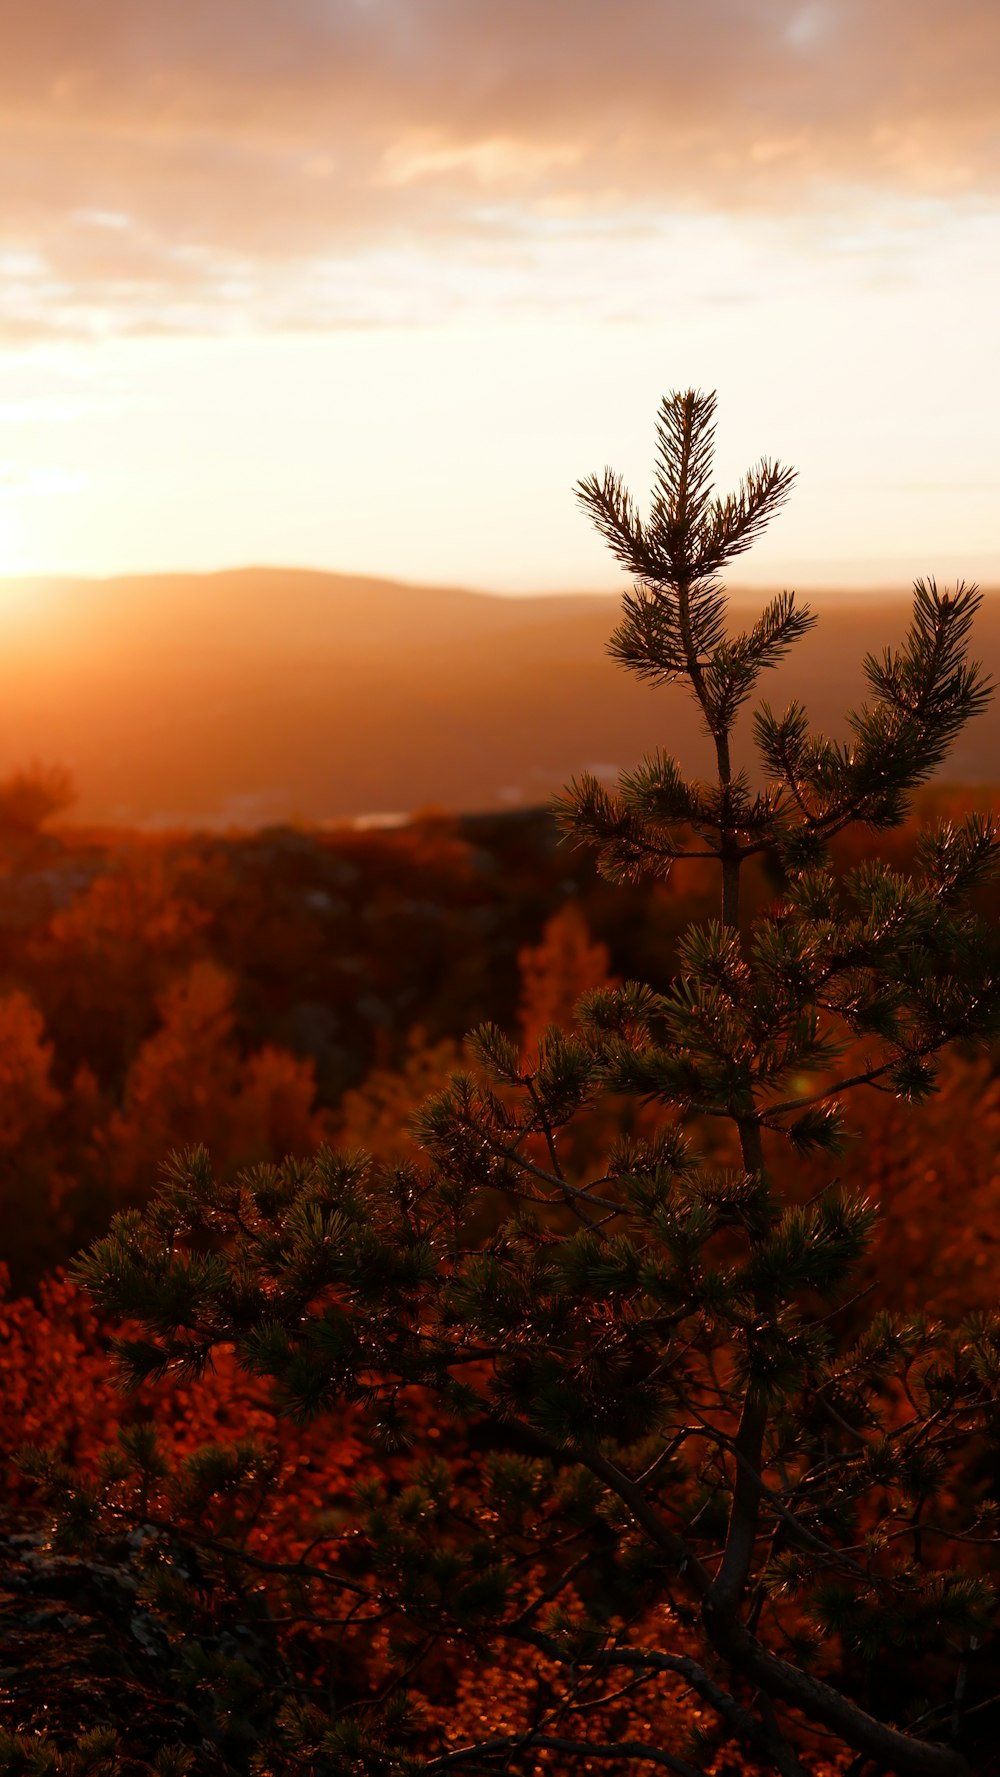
(253, 696)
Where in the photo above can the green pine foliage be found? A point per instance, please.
(662, 1419)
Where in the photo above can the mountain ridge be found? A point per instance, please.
(252, 695)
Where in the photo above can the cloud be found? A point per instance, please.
(167, 164)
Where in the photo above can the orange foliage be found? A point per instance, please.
(934, 1171)
(133, 909)
(188, 1084)
(35, 1117)
(28, 1099)
(375, 1115)
(56, 1386)
(139, 949)
(556, 972)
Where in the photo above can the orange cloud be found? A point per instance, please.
(164, 165)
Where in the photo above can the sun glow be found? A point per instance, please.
(375, 307)
(7, 563)
(445, 450)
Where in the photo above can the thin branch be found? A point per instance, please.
(565, 1579)
(618, 1751)
(287, 1569)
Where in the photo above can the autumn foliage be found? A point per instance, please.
(82, 1144)
(592, 1389)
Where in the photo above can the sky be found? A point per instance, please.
(369, 284)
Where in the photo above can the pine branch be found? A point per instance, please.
(685, 447)
(734, 524)
(617, 519)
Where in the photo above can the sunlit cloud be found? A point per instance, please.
(326, 281)
(161, 164)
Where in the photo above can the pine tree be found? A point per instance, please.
(673, 1453)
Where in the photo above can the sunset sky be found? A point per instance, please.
(367, 284)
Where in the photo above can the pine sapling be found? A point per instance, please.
(673, 1453)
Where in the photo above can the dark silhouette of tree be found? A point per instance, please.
(671, 1456)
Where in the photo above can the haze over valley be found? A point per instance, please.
(262, 695)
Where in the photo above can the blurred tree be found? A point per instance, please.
(189, 1079)
(104, 958)
(28, 1099)
(34, 1179)
(555, 973)
(31, 796)
(274, 1107)
(667, 1460)
(376, 1115)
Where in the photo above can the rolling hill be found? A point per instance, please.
(258, 695)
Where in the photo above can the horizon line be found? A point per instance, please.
(879, 581)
